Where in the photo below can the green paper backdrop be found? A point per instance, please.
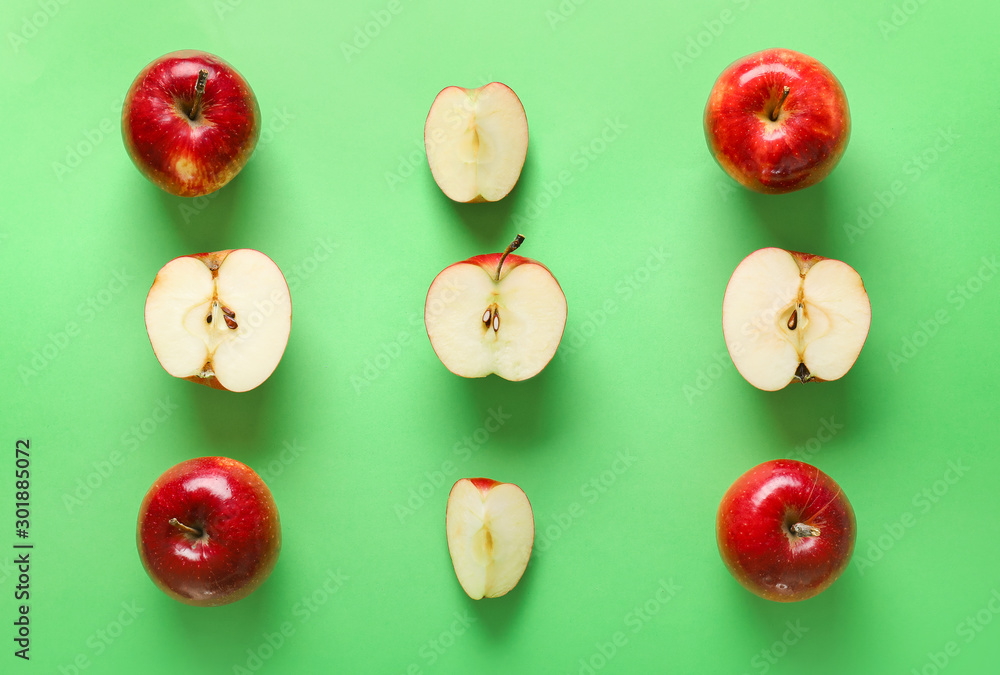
(628, 439)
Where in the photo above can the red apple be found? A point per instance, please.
(476, 142)
(491, 530)
(190, 122)
(794, 317)
(785, 530)
(221, 319)
(777, 121)
(208, 531)
(497, 313)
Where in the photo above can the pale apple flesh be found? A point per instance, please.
(476, 142)
(480, 322)
(491, 531)
(220, 319)
(790, 316)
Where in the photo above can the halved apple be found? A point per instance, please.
(496, 313)
(790, 316)
(476, 142)
(491, 531)
(220, 319)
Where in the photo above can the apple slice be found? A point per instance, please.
(221, 319)
(496, 313)
(794, 316)
(490, 534)
(476, 142)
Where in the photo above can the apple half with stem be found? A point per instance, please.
(476, 142)
(790, 316)
(777, 121)
(190, 122)
(496, 313)
(221, 319)
(491, 531)
(208, 531)
(785, 530)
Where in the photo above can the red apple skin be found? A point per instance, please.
(757, 545)
(186, 157)
(484, 485)
(230, 503)
(806, 142)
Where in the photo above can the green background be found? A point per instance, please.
(360, 417)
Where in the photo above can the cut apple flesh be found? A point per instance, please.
(511, 327)
(491, 531)
(476, 142)
(222, 319)
(791, 316)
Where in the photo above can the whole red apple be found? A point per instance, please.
(785, 530)
(190, 122)
(777, 121)
(208, 531)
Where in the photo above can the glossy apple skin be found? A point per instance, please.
(806, 142)
(189, 157)
(230, 503)
(752, 528)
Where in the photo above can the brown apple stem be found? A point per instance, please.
(803, 530)
(513, 247)
(199, 91)
(184, 528)
(777, 108)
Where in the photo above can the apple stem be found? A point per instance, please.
(184, 528)
(199, 91)
(518, 240)
(803, 530)
(777, 108)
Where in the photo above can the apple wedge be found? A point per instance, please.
(790, 316)
(496, 313)
(491, 530)
(476, 142)
(221, 319)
